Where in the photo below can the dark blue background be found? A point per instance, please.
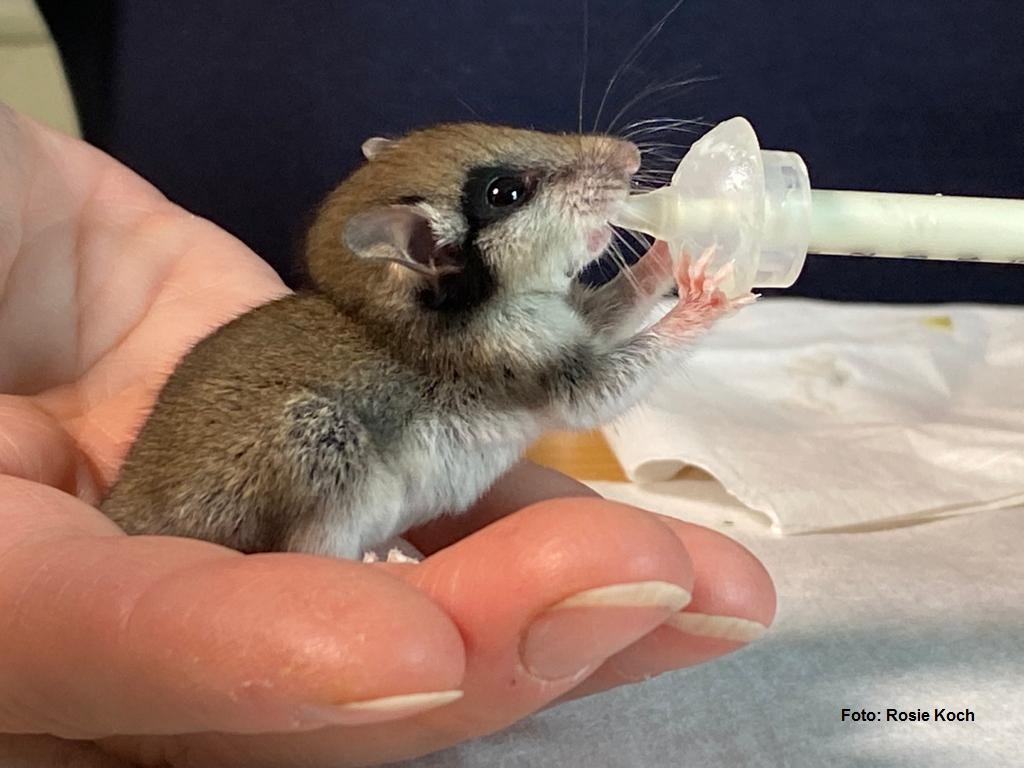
(248, 112)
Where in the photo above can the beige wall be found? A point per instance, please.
(31, 78)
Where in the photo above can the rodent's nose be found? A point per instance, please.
(629, 156)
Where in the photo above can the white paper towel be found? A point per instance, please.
(827, 416)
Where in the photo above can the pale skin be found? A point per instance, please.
(256, 660)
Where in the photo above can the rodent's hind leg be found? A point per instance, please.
(322, 535)
(327, 451)
(325, 535)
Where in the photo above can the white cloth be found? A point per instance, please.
(925, 616)
(825, 416)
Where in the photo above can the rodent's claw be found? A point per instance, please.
(701, 267)
(395, 555)
(745, 300)
(723, 273)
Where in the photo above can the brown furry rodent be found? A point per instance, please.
(446, 330)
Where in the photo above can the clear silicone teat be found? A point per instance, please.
(752, 207)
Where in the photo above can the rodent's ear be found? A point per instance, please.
(399, 233)
(374, 146)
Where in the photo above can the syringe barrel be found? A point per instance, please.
(917, 226)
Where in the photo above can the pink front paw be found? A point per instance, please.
(697, 286)
(701, 300)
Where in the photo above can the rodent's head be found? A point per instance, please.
(452, 215)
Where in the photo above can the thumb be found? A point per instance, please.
(104, 634)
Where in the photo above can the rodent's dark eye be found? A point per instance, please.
(505, 191)
(492, 192)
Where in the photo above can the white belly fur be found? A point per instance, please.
(442, 466)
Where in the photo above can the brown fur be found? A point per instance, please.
(331, 420)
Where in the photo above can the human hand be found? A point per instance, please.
(177, 652)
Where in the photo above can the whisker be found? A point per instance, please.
(661, 161)
(663, 120)
(663, 91)
(645, 185)
(620, 261)
(655, 173)
(650, 134)
(632, 56)
(638, 245)
(661, 165)
(645, 146)
(466, 104)
(652, 126)
(647, 242)
(622, 242)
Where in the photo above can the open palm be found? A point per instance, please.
(181, 652)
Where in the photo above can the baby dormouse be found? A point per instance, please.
(445, 330)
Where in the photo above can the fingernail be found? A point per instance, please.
(730, 628)
(573, 636)
(377, 710)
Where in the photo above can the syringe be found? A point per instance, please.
(757, 208)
